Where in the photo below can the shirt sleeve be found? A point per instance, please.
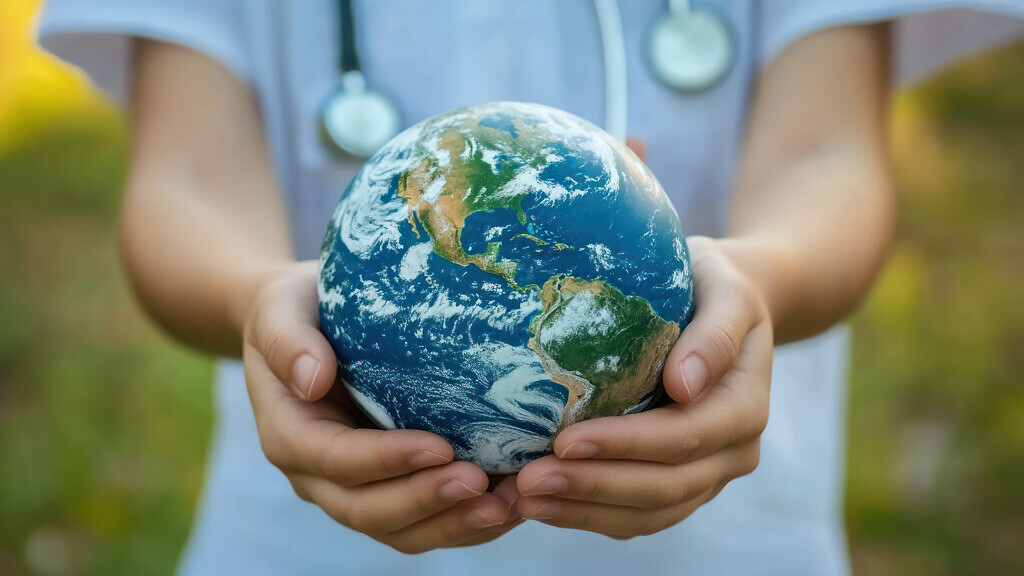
(928, 34)
(95, 34)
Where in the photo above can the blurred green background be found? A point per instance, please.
(104, 422)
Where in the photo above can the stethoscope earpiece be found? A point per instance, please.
(689, 50)
(358, 121)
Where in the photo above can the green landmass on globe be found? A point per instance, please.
(609, 374)
(467, 186)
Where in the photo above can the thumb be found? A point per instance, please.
(638, 147)
(284, 330)
(709, 346)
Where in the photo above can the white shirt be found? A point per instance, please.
(785, 518)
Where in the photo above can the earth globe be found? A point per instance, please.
(498, 272)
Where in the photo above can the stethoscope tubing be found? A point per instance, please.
(613, 46)
(673, 50)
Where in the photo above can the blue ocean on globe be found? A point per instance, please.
(499, 272)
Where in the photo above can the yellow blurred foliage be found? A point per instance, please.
(35, 87)
(897, 294)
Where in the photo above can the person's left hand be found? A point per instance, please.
(625, 476)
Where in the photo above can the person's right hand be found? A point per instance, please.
(398, 486)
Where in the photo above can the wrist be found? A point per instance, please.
(772, 269)
(251, 282)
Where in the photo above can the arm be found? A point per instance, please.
(813, 213)
(203, 224)
(207, 247)
(810, 224)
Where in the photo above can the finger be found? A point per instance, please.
(638, 146)
(492, 533)
(733, 412)
(390, 505)
(725, 311)
(285, 331)
(645, 485)
(673, 434)
(351, 456)
(508, 491)
(319, 439)
(479, 519)
(614, 521)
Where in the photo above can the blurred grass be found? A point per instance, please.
(104, 422)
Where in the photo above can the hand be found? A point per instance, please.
(398, 486)
(633, 475)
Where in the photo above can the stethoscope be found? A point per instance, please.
(689, 49)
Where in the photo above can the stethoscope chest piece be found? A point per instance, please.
(690, 49)
(356, 120)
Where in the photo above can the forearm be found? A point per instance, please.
(194, 266)
(812, 210)
(203, 224)
(820, 237)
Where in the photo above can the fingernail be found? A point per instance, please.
(547, 511)
(695, 376)
(456, 491)
(477, 521)
(581, 449)
(425, 459)
(551, 484)
(303, 373)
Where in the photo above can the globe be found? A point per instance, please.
(499, 272)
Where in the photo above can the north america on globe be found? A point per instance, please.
(499, 272)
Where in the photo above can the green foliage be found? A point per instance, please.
(103, 422)
(936, 466)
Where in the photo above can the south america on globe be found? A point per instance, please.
(499, 272)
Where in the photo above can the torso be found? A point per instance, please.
(431, 57)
